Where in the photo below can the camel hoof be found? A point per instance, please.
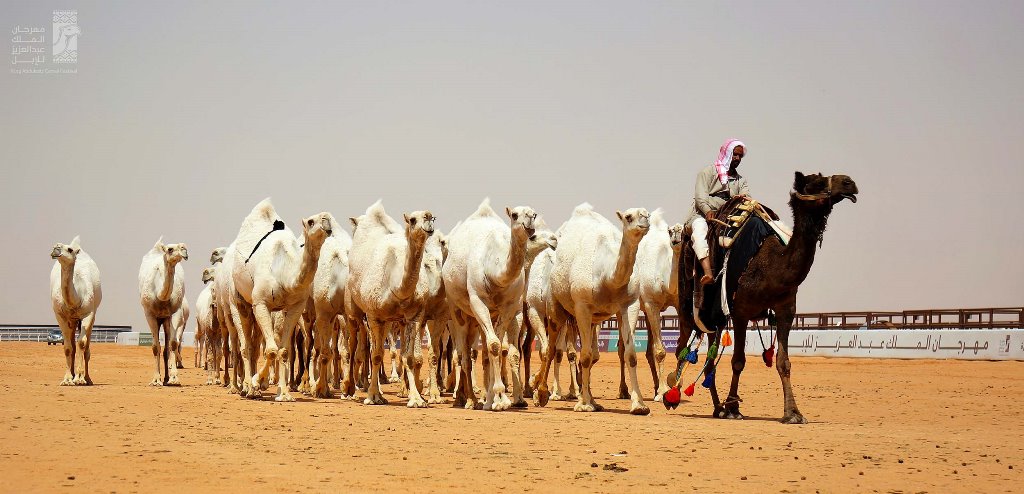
(527, 392)
(558, 397)
(254, 394)
(393, 379)
(542, 397)
(435, 399)
(375, 400)
(79, 381)
(284, 398)
(418, 403)
(173, 381)
(233, 390)
(639, 409)
(68, 382)
(585, 407)
(734, 415)
(623, 394)
(519, 404)
(796, 418)
(154, 382)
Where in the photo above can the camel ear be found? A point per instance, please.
(799, 181)
(508, 211)
(619, 214)
(354, 221)
(74, 242)
(409, 220)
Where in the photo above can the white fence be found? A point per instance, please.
(959, 344)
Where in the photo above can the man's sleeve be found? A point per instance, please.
(744, 188)
(701, 196)
(705, 201)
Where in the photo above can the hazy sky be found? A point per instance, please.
(183, 115)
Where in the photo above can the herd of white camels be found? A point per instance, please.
(328, 303)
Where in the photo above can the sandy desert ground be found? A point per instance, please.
(878, 426)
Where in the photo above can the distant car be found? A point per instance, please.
(54, 337)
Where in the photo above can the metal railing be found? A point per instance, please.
(981, 318)
(38, 332)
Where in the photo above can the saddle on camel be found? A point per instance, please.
(758, 266)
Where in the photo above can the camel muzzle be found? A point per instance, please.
(56, 253)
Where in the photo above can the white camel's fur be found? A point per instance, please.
(277, 278)
(591, 282)
(162, 292)
(656, 274)
(328, 294)
(385, 267)
(75, 295)
(485, 284)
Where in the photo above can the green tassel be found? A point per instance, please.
(712, 351)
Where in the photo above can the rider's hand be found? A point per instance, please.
(710, 214)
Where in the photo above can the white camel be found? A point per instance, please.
(485, 283)
(329, 284)
(274, 273)
(204, 336)
(75, 293)
(162, 291)
(591, 282)
(656, 274)
(384, 271)
(208, 334)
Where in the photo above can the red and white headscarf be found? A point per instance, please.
(724, 160)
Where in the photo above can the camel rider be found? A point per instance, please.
(716, 184)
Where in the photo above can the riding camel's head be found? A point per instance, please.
(824, 190)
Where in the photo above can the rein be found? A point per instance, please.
(811, 197)
(278, 225)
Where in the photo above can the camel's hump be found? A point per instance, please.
(583, 209)
(658, 220)
(485, 209)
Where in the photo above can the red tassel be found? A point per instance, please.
(689, 390)
(671, 398)
(769, 356)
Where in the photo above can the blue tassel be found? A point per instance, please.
(709, 380)
(692, 357)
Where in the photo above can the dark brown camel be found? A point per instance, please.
(771, 281)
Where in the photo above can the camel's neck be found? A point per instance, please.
(673, 279)
(67, 285)
(626, 260)
(167, 283)
(411, 275)
(515, 261)
(808, 226)
(306, 270)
